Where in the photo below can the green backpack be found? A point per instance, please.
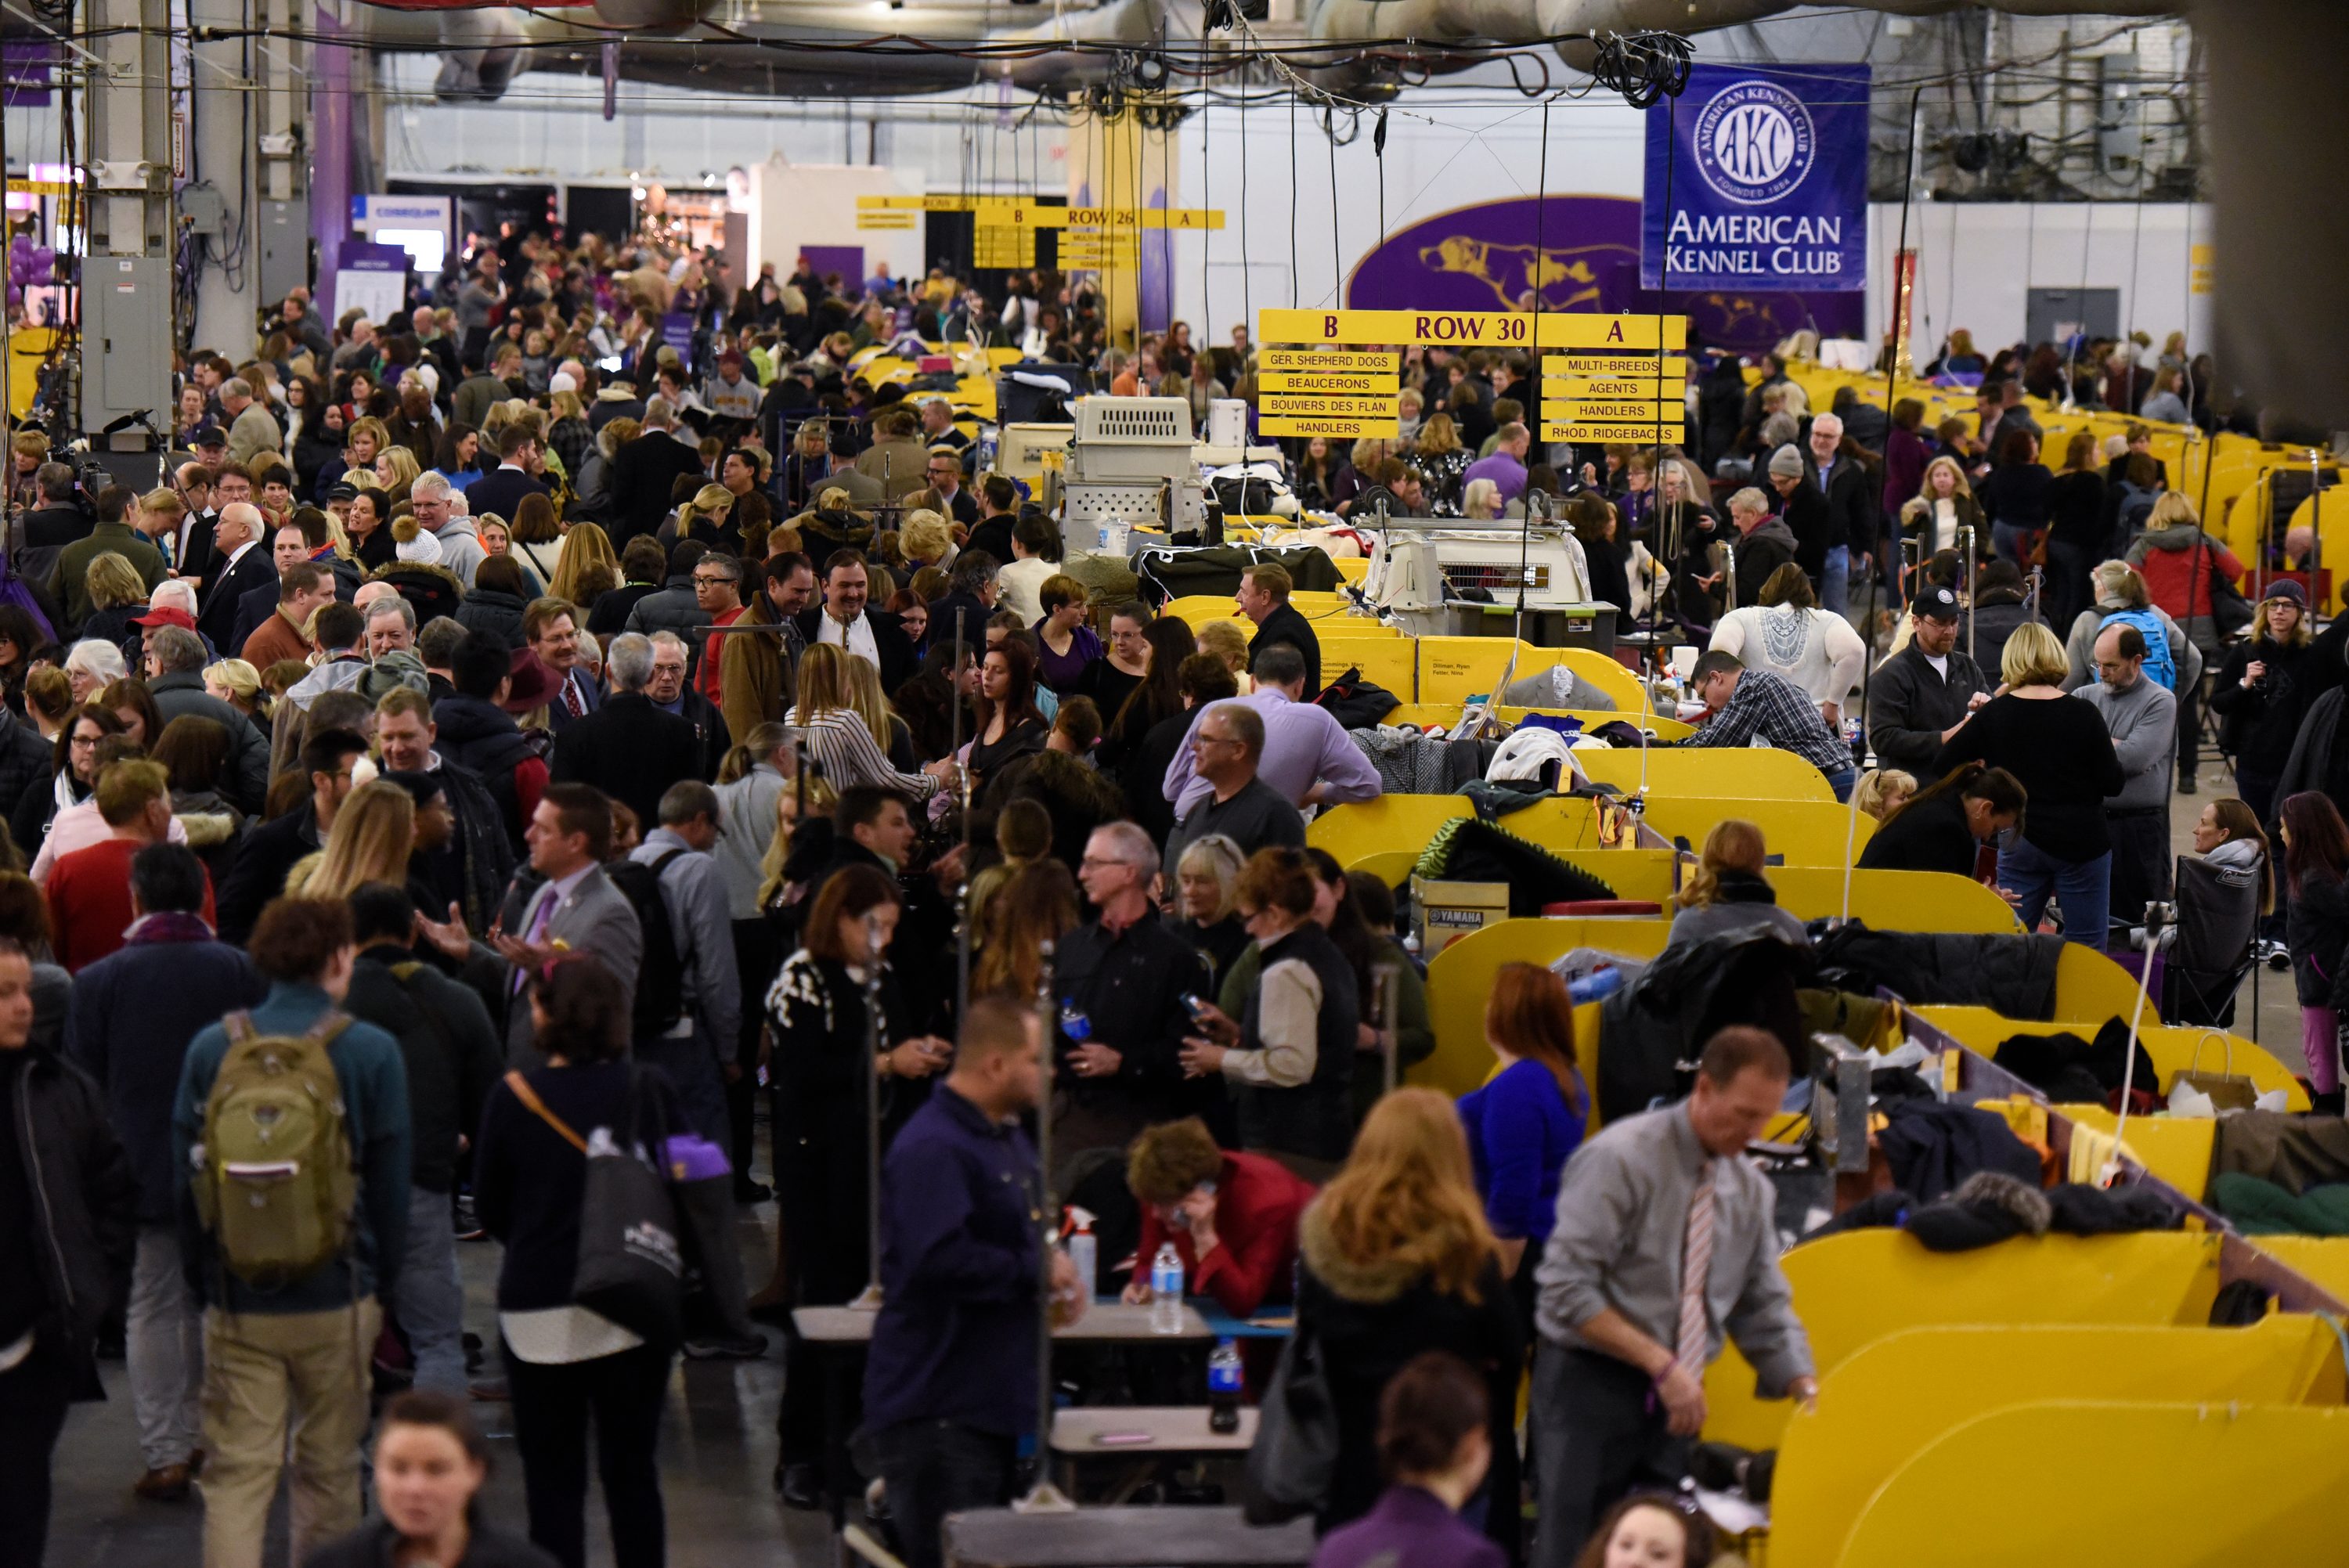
(275, 1184)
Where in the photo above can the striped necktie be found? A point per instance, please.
(1696, 1264)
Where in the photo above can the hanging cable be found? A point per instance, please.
(1295, 283)
(1337, 252)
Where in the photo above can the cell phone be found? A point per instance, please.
(1196, 1005)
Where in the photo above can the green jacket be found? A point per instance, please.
(68, 581)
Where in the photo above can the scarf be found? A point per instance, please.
(169, 925)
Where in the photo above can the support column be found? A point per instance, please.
(1120, 162)
(281, 228)
(330, 151)
(223, 170)
(125, 278)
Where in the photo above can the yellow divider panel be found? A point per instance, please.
(1461, 977)
(2176, 1149)
(2171, 1048)
(2323, 1260)
(1901, 1393)
(2075, 1482)
(2089, 984)
(1725, 772)
(1806, 832)
(1894, 901)
(1454, 669)
(1856, 1287)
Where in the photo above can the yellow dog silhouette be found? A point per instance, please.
(1509, 271)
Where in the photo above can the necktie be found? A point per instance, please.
(571, 697)
(535, 930)
(1696, 1263)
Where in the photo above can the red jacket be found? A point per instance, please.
(89, 902)
(2178, 572)
(1257, 1201)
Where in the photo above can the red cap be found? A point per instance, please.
(165, 615)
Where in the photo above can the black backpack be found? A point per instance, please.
(660, 978)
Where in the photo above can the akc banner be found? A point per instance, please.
(1767, 170)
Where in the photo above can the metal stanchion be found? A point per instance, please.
(1388, 981)
(1966, 542)
(1044, 1497)
(876, 1042)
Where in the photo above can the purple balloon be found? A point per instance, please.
(45, 261)
(16, 296)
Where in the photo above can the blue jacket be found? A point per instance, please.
(135, 1014)
(1520, 1131)
(373, 1081)
(956, 1336)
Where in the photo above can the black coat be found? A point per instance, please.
(501, 492)
(1854, 499)
(1813, 526)
(629, 749)
(54, 527)
(372, 1545)
(24, 758)
(2257, 726)
(643, 473)
(898, 663)
(224, 591)
(453, 1052)
(1924, 836)
(268, 853)
(495, 615)
(483, 738)
(1288, 625)
(85, 1204)
(993, 535)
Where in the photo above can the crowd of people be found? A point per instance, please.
(516, 733)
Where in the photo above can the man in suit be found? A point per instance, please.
(254, 611)
(629, 748)
(570, 906)
(895, 458)
(191, 536)
(68, 580)
(841, 472)
(1263, 597)
(1851, 507)
(999, 502)
(551, 628)
(243, 567)
(252, 432)
(644, 471)
(59, 519)
(947, 495)
(845, 621)
(501, 491)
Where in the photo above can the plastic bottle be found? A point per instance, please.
(1224, 1387)
(1084, 1250)
(1167, 1291)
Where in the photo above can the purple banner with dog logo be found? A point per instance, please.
(1585, 251)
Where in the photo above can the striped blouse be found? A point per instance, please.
(841, 743)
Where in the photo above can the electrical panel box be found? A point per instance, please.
(126, 335)
(281, 234)
(204, 209)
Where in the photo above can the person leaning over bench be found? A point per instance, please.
(1663, 1243)
(1744, 705)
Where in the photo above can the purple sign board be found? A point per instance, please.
(1583, 254)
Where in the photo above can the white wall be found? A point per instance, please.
(1976, 263)
(796, 205)
(1441, 153)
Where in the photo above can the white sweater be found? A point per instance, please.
(1815, 649)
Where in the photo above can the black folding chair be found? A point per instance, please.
(2218, 925)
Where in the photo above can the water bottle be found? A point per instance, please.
(1224, 1387)
(1084, 1250)
(1167, 1291)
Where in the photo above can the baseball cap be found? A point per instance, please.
(1936, 603)
(208, 435)
(341, 491)
(164, 615)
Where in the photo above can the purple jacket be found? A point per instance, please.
(1408, 1525)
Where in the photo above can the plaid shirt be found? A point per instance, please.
(1781, 713)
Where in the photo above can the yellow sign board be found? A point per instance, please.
(1028, 213)
(1474, 329)
(922, 204)
(1630, 383)
(1327, 381)
(1338, 427)
(1648, 363)
(877, 219)
(39, 188)
(996, 246)
(1355, 360)
(1366, 407)
(1581, 413)
(1614, 430)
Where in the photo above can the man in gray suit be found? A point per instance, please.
(574, 909)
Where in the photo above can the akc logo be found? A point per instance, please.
(1754, 141)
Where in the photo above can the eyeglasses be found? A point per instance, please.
(710, 582)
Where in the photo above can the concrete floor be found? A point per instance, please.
(717, 1447)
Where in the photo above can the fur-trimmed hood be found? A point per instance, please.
(1367, 1285)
